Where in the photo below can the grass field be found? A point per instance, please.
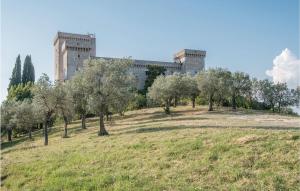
(148, 150)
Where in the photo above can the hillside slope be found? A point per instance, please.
(148, 150)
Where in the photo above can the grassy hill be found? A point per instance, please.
(148, 150)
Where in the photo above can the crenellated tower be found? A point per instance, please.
(70, 52)
(192, 61)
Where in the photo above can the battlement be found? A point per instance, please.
(73, 36)
(192, 60)
(70, 52)
(189, 53)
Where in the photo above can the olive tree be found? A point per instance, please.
(266, 93)
(208, 83)
(46, 99)
(125, 97)
(163, 90)
(296, 96)
(223, 93)
(283, 96)
(79, 93)
(240, 85)
(189, 88)
(108, 82)
(7, 117)
(65, 107)
(24, 117)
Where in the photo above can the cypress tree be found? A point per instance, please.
(28, 71)
(16, 74)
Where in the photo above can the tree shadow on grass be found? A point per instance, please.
(24, 138)
(174, 119)
(6, 145)
(158, 115)
(183, 127)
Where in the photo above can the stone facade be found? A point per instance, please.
(72, 49)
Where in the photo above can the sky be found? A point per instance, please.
(260, 37)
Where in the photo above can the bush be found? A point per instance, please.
(139, 102)
(200, 100)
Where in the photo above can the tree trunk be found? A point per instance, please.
(233, 102)
(83, 126)
(193, 101)
(102, 130)
(9, 133)
(167, 107)
(175, 101)
(210, 104)
(65, 130)
(46, 132)
(65, 127)
(29, 133)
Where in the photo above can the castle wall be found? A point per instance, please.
(140, 67)
(72, 49)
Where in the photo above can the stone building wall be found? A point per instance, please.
(72, 49)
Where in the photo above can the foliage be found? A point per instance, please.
(20, 92)
(151, 74)
(24, 117)
(283, 96)
(208, 84)
(46, 99)
(276, 96)
(65, 107)
(79, 92)
(7, 117)
(222, 94)
(109, 86)
(16, 74)
(164, 89)
(139, 101)
(28, 74)
(296, 96)
(240, 85)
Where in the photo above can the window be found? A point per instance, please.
(78, 55)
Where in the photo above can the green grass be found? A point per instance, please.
(148, 150)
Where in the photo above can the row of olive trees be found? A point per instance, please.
(101, 86)
(220, 87)
(106, 85)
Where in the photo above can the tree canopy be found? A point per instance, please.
(151, 74)
(16, 74)
(108, 83)
(28, 74)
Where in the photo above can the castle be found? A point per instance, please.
(70, 51)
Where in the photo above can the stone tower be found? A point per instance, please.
(192, 61)
(70, 51)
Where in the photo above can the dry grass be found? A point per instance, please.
(148, 150)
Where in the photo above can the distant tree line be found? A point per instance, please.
(220, 87)
(103, 87)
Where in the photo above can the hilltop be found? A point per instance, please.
(191, 149)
